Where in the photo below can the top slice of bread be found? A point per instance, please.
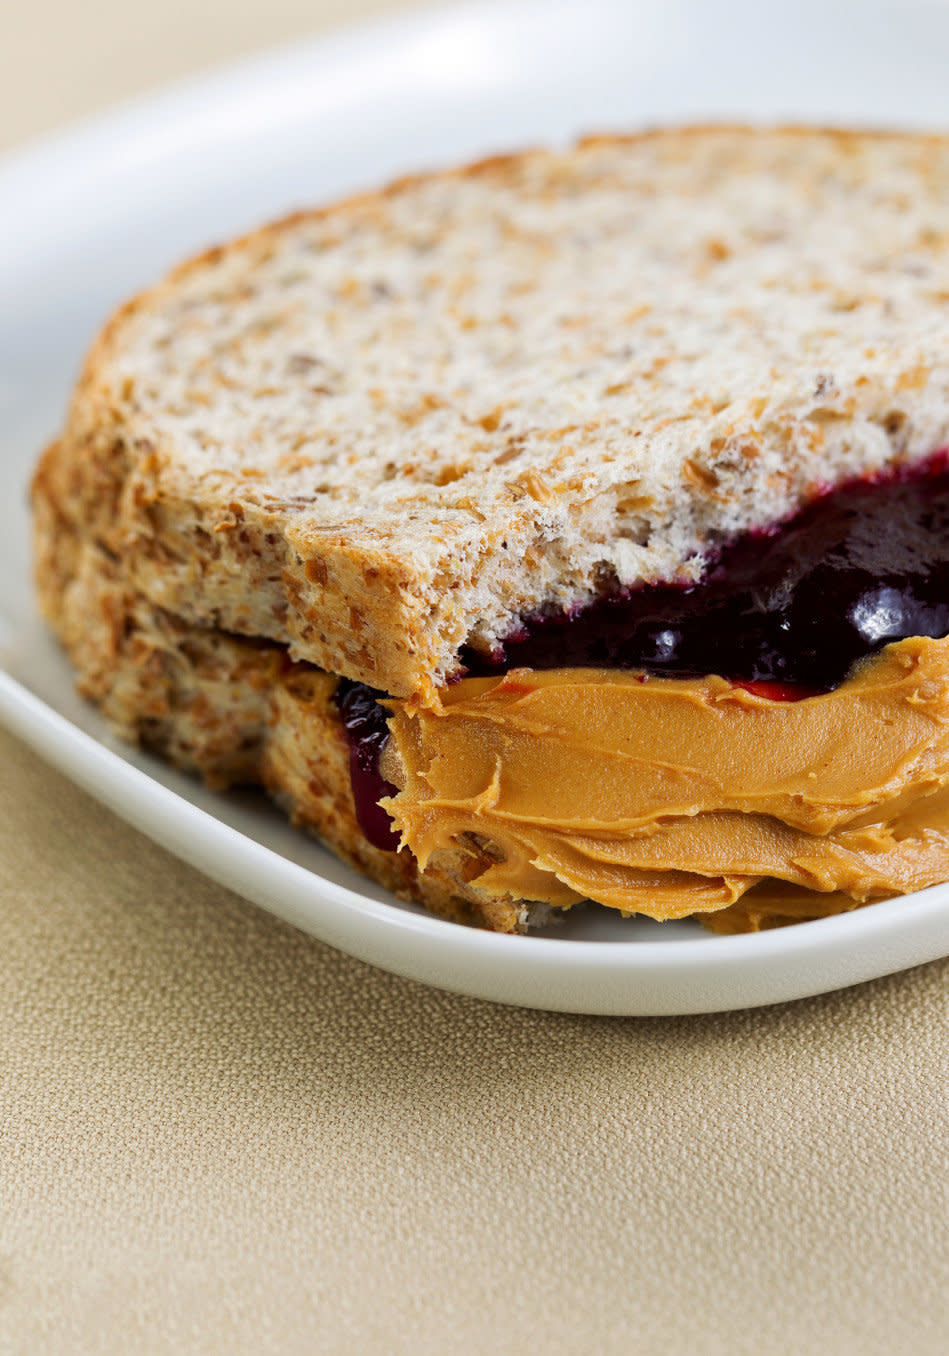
(381, 430)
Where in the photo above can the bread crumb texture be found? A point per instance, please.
(382, 430)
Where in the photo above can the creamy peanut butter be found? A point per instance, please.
(670, 797)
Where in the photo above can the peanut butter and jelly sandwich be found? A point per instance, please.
(571, 526)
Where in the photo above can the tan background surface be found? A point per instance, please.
(219, 1135)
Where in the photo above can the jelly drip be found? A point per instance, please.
(367, 733)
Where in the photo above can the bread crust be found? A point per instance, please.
(614, 356)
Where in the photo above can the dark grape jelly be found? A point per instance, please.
(364, 721)
(859, 567)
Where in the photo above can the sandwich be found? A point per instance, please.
(570, 526)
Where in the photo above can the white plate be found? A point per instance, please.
(95, 214)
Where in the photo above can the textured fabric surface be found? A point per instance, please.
(219, 1135)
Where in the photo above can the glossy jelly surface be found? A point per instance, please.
(856, 569)
(364, 721)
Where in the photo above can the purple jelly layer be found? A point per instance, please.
(364, 721)
(861, 566)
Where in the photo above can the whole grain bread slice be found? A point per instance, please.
(379, 431)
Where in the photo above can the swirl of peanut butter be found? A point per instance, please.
(669, 797)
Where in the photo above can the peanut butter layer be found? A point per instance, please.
(774, 904)
(676, 796)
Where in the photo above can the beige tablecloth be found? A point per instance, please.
(219, 1135)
